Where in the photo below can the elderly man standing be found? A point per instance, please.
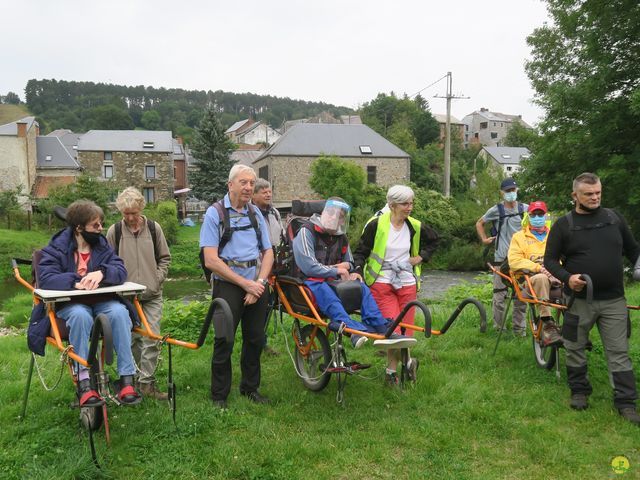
(506, 217)
(140, 242)
(240, 260)
(262, 200)
(592, 240)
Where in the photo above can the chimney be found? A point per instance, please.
(484, 109)
(22, 129)
(179, 139)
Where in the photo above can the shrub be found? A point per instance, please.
(166, 214)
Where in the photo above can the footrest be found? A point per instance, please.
(349, 368)
(395, 343)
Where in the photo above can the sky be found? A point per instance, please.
(342, 52)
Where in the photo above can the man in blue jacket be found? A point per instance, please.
(79, 257)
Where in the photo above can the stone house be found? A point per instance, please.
(287, 164)
(457, 127)
(18, 157)
(488, 128)
(137, 158)
(56, 166)
(249, 132)
(506, 159)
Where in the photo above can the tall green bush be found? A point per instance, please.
(166, 214)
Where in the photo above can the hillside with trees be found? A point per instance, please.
(82, 106)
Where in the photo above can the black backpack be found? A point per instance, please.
(226, 231)
(151, 225)
(495, 232)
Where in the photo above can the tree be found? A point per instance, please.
(212, 149)
(151, 120)
(85, 187)
(521, 136)
(585, 69)
(11, 98)
(109, 117)
(332, 176)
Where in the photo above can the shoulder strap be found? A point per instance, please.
(223, 224)
(520, 209)
(118, 236)
(151, 225)
(501, 216)
(254, 223)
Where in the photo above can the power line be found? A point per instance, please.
(430, 85)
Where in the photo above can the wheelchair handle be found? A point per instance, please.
(101, 328)
(225, 329)
(425, 311)
(586, 278)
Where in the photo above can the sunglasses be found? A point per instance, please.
(537, 214)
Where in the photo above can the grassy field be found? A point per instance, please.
(471, 415)
(11, 113)
(14, 243)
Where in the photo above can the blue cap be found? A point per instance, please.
(508, 183)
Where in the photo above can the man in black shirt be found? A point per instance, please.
(591, 240)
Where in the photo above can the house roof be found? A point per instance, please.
(52, 153)
(314, 139)
(442, 118)
(499, 117)
(504, 155)
(43, 184)
(351, 119)
(69, 139)
(245, 157)
(12, 128)
(126, 141)
(236, 126)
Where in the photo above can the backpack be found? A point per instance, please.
(495, 232)
(151, 225)
(226, 231)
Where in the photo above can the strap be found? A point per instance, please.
(127, 391)
(503, 215)
(118, 236)
(151, 225)
(225, 226)
(88, 395)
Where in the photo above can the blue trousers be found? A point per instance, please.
(330, 305)
(79, 320)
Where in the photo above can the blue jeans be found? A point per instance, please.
(79, 320)
(330, 305)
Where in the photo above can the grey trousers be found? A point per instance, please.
(500, 293)
(145, 350)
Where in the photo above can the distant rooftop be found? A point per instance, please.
(504, 155)
(12, 128)
(53, 154)
(126, 141)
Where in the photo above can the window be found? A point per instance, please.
(107, 170)
(484, 125)
(506, 156)
(365, 149)
(509, 169)
(371, 173)
(175, 172)
(149, 172)
(48, 158)
(494, 134)
(494, 124)
(263, 172)
(149, 195)
(108, 156)
(475, 135)
(148, 144)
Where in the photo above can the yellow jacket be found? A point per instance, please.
(526, 252)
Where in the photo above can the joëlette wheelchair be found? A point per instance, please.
(315, 358)
(520, 287)
(101, 344)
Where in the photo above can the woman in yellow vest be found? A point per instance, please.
(390, 255)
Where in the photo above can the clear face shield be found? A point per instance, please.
(335, 217)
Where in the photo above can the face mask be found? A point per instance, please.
(92, 238)
(510, 196)
(537, 222)
(587, 209)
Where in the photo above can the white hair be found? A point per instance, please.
(399, 194)
(239, 168)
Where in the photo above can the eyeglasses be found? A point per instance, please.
(95, 226)
(537, 214)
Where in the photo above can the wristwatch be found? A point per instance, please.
(263, 281)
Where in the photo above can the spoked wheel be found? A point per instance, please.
(545, 356)
(312, 365)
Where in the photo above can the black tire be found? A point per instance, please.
(545, 356)
(312, 367)
(91, 418)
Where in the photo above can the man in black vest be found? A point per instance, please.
(592, 240)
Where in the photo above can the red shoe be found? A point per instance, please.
(87, 396)
(128, 394)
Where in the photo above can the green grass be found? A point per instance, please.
(184, 254)
(11, 113)
(15, 243)
(470, 416)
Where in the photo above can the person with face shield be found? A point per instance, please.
(526, 252)
(79, 257)
(506, 217)
(322, 254)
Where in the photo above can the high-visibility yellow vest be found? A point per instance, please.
(373, 264)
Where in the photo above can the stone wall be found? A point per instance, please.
(129, 170)
(290, 176)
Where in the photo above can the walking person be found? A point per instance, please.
(236, 248)
(592, 240)
(508, 216)
(142, 245)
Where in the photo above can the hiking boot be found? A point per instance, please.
(87, 396)
(358, 340)
(551, 334)
(630, 414)
(150, 390)
(255, 397)
(412, 369)
(579, 401)
(127, 394)
(391, 379)
(269, 350)
(221, 404)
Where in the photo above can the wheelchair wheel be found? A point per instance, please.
(545, 356)
(91, 418)
(312, 367)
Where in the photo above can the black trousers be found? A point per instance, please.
(252, 318)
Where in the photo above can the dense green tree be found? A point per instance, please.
(11, 98)
(332, 176)
(521, 136)
(585, 69)
(109, 117)
(212, 149)
(85, 187)
(151, 120)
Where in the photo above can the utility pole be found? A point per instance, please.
(447, 136)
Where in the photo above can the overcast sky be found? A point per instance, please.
(339, 51)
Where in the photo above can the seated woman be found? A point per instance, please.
(526, 252)
(79, 257)
(390, 253)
